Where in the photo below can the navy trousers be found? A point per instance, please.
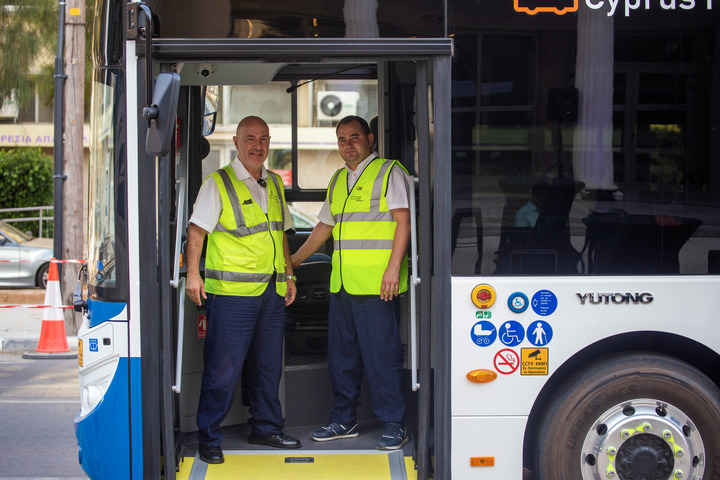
(242, 329)
(363, 334)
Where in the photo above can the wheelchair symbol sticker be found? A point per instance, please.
(539, 333)
(511, 333)
(483, 334)
(518, 302)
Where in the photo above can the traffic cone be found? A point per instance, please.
(53, 341)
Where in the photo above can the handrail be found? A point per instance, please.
(179, 223)
(181, 336)
(414, 282)
(39, 218)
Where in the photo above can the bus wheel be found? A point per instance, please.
(631, 416)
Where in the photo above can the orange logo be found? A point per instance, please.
(559, 7)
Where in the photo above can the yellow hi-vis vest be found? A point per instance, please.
(364, 230)
(246, 247)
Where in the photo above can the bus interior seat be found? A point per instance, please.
(306, 318)
(546, 247)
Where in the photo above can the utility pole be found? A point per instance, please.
(73, 133)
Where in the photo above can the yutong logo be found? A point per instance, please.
(616, 298)
(560, 7)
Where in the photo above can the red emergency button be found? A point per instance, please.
(483, 296)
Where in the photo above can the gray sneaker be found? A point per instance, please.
(393, 438)
(334, 431)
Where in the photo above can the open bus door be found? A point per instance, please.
(413, 88)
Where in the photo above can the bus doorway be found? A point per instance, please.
(302, 102)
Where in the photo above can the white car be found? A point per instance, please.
(24, 260)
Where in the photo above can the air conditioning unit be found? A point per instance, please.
(336, 105)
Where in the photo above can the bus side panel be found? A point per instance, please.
(530, 328)
(489, 447)
(109, 385)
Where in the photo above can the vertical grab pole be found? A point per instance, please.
(414, 282)
(176, 282)
(181, 337)
(179, 222)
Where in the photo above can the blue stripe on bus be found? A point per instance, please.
(104, 434)
(99, 312)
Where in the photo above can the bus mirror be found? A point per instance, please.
(161, 115)
(210, 95)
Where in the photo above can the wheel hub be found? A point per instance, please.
(643, 439)
(644, 457)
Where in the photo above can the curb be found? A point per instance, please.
(28, 344)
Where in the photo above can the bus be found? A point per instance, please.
(565, 256)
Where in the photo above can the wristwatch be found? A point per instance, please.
(291, 277)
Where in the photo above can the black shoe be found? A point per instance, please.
(211, 454)
(279, 440)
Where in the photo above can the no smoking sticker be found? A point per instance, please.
(506, 361)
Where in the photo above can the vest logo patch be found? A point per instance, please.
(248, 201)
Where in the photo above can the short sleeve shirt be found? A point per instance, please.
(208, 206)
(396, 196)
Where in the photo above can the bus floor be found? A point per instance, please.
(349, 459)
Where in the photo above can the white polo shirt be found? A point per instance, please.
(397, 191)
(208, 206)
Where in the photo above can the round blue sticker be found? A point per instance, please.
(483, 333)
(518, 302)
(511, 333)
(539, 333)
(544, 303)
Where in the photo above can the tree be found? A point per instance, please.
(24, 39)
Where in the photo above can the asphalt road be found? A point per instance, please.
(38, 403)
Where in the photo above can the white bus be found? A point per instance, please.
(566, 154)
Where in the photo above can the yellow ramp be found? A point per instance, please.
(302, 465)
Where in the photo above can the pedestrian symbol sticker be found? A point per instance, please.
(512, 333)
(483, 333)
(534, 361)
(518, 302)
(506, 361)
(544, 303)
(539, 333)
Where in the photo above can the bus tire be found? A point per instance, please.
(625, 416)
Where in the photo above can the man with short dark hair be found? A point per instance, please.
(366, 211)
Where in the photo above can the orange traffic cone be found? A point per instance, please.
(53, 341)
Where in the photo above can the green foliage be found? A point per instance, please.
(26, 181)
(24, 27)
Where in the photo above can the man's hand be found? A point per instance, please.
(291, 292)
(195, 288)
(390, 285)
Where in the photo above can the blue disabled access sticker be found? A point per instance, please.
(518, 302)
(511, 333)
(483, 333)
(544, 303)
(539, 333)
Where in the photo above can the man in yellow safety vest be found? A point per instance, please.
(366, 211)
(248, 283)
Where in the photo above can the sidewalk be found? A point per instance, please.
(20, 327)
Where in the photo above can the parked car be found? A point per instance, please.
(29, 258)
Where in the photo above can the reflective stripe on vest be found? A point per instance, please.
(364, 230)
(246, 247)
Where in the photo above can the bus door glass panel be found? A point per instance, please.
(101, 212)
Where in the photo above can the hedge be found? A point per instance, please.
(26, 181)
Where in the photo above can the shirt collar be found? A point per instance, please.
(361, 166)
(242, 173)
